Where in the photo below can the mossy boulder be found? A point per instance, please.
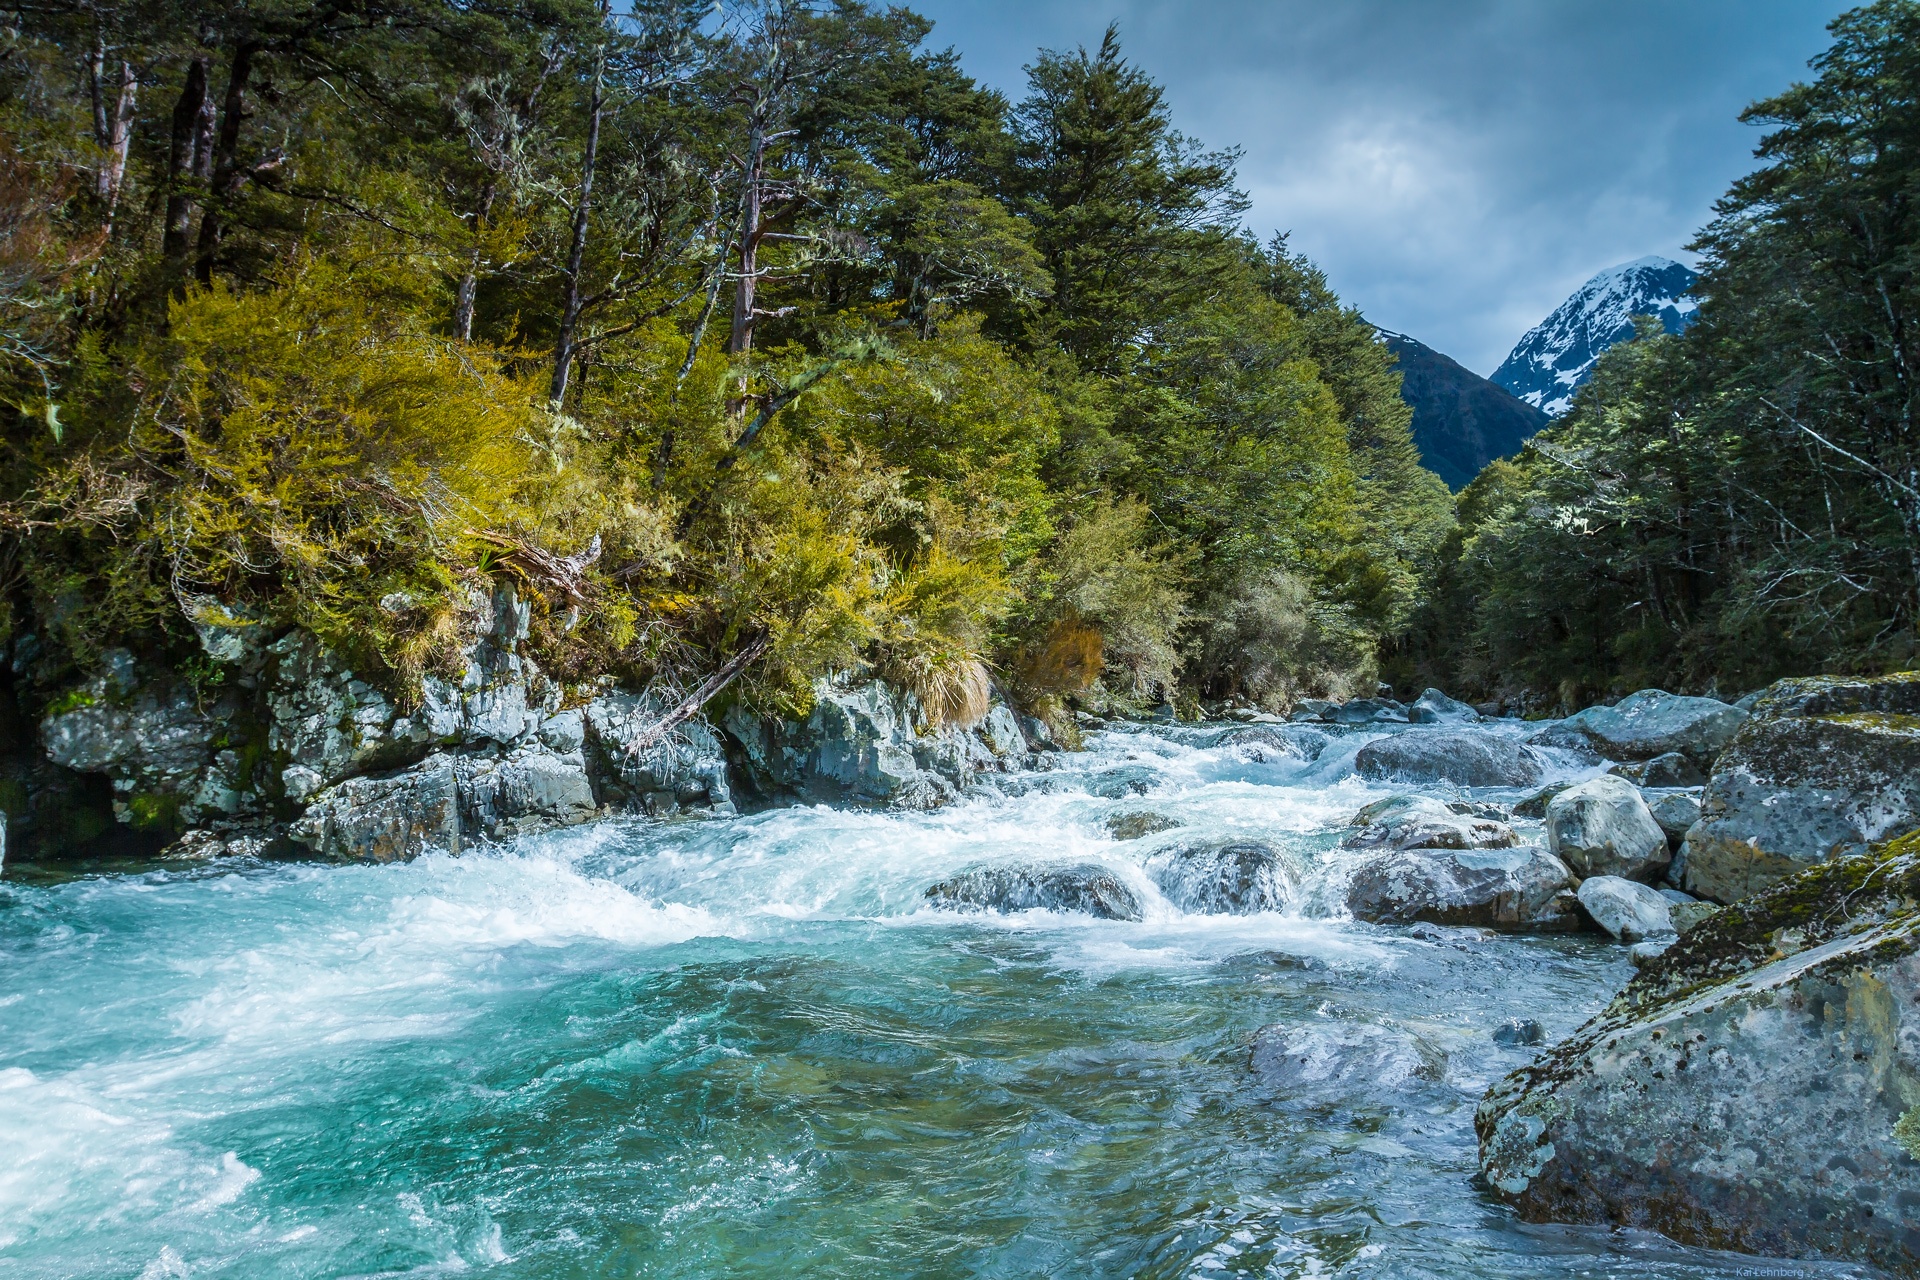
(1823, 768)
(1647, 725)
(1744, 1090)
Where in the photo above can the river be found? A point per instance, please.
(746, 1047)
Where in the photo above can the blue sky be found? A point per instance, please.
(1457, 166)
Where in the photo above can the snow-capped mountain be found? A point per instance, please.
(1558, 354)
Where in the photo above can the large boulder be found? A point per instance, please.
(1465, 757)
(1648, 724)
(1269, 744)
(1509, 889)
(1434, 707)
(1087, 888)
(1421, 822)
(1823, 768)
(869, 744)
(1368, 711)
(1223, 877)
(1627, 909)
(1602, 827)
(1756, 1087)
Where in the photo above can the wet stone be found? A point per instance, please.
(1138, 824)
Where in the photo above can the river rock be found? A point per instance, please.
(1123, 781)
(384, 819)
(1535, 805)
(1368, 711)
(1823, 768)
(683, 771)
(1509, 889)
(1748, 1089)
(529, 790)
(1519, 1033)
(1602, 827)
(1088, 888)
(1647, 724)
(1223, 877)
(1141, 822)
(1464, 757)
(1434, 707)
(1421, 822)
(1627, 909)
(1267, 744)
(1675, 811)
(1669, 770)
(1334, 1061)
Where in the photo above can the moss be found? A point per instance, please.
(71, 700)
(150, 811)
(1907, 1132)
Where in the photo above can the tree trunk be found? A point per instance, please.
(576, 251)
(189, 161)
(227, 176)
(112, 126)
(470, 280)
(741, 339)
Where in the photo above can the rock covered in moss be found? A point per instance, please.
(1464, 757)
(1646, 725)
(1602, 827)
(1139, 824)
(1823, 768)
(1743, 1092)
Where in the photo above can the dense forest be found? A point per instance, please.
(754, 337)
(1740, 502)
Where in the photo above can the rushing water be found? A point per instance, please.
(746, 1048)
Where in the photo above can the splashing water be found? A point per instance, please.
(748, 1048)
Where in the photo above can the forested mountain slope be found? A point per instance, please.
(1461, 421)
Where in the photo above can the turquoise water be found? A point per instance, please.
(743, 1048)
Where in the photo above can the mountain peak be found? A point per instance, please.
(1461, 421)
(1558, 354)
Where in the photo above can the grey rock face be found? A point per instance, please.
(686, 770)
(1088, 888)
(1224, 877)
(154, 741)
(388, 819)
(1420, 822)
(1647, 724)
(1465, 757)
(1332, 1061)
(1603, 828)
(1508, 889)
(1823, 767)
(1627, 909)
(861, 746)
(1743, 1091)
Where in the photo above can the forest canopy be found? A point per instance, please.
(758, 328)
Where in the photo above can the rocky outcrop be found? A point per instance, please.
(1821, 769)
(1626, 909)
(1421, 822)
(1602, 827)
(1223, 877)
(868, 744)
(1646, 725)
(1465, 757)
(1515, 890)
(1748, 1090)
(1086, 888)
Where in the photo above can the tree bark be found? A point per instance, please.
(227, 176)
(463, 298)
(112, 126)
(563, 349)
(189, 161)
(741, 339)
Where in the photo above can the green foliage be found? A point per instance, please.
(1907, 1131)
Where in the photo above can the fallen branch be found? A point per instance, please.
(709, 688)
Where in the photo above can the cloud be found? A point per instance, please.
(1457, 167)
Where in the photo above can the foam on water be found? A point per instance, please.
(751, 1047)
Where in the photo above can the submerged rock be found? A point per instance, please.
(1087, 888)
(1126, 780)
(1223, 877)
(1420, 822)
(1823, 768)
(1745, 1089)
(1141, 822)
(1465, 757)
(1327, 1062)
(1509, 889)
(1628, 910)
(1519, 1032)
(1266, 744)
(1602, 827)
(1648, 724)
